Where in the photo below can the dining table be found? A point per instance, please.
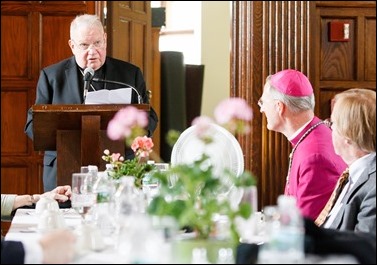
(24, 227)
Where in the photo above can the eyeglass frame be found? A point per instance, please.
(97, 45)
(260, 102)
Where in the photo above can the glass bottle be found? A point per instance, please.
(109, 170)
(130, 212)
(102, 212)
(93, 170)
(149, 184)
(128, 199)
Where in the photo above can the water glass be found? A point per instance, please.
(83, 197)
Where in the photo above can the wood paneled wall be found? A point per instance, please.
(268, 36)
(34, 34)
(344, 64)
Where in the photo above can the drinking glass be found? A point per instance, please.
(83, 197)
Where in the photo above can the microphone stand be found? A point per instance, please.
(86, 89)
(139, 98)
(88, 76)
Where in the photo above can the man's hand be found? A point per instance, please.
(60, 193)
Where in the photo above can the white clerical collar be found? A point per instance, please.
(299, 130)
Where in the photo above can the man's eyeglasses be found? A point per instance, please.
(84, 46)
(260, 102)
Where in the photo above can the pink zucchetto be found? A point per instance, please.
(292, 83)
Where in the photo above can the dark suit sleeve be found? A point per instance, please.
(42, 98)
(12, 252)
(322, 241)
(152, 124)
(29, 124)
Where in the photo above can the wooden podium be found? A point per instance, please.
(77, 133)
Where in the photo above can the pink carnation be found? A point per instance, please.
(125, 121)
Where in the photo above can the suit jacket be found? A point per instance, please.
(359, 210)
(7, 201)
(61, 83)
(12, 252)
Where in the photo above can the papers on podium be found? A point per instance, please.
(105, 96)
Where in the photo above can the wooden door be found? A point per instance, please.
(130, 33)
(132, 39)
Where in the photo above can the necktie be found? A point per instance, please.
(334, 196)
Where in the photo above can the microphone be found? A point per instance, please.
(88, 76)
(139, 98)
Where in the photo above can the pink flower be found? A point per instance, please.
(202, 123)
(115, 159)
(116, 131)
(129, 124)
(233, 108)
(126, 123)
(115, 156)
(142, 146)
(234, 114)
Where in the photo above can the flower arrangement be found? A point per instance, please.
(190, 193)
(128, 124)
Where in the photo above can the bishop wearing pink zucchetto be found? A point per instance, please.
(314, 168)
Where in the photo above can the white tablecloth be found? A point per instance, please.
(24, 227)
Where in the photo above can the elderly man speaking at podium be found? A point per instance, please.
(69, 81)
